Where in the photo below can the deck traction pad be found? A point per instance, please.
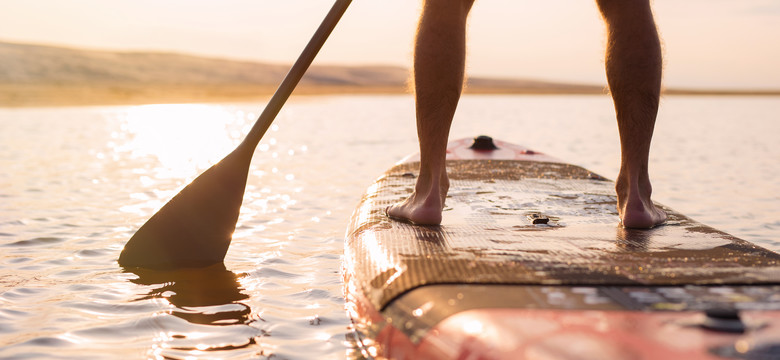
(487, 236)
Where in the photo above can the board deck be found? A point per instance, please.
(412, 289)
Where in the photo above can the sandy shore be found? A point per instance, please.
(73, 95)
(70, 95)
(38, 75)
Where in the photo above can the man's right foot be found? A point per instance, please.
(414, 212)
(424, 206)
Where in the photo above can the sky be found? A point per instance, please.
(707, 43)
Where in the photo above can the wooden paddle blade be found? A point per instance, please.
(195, 227)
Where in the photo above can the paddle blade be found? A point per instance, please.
(194, 228)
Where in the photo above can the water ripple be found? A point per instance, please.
(39, 241)
(71, 202)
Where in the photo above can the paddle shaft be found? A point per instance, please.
(196, 226)
(295, 74)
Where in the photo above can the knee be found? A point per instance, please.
(465, 5)
(613, 10)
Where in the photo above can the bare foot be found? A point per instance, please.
(635, 208)
(425, 205)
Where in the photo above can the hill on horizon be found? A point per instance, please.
(39, 74)
(44, 75)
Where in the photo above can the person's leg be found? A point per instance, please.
(439, 63)
(633, 64)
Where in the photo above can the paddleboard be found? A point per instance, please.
(530, 263)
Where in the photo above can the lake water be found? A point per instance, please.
(77, 182)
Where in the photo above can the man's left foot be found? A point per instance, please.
(635, 208)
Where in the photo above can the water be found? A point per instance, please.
(77, 182)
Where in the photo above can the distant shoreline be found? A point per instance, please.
(71, 95)
(39, 75)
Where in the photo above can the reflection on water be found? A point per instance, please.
(80, 181)
(210, 296)
(207, 296)
(77, 182)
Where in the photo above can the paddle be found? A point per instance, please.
(194, 228)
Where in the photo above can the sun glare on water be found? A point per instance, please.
(185, 138)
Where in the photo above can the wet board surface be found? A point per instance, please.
(523, 230)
